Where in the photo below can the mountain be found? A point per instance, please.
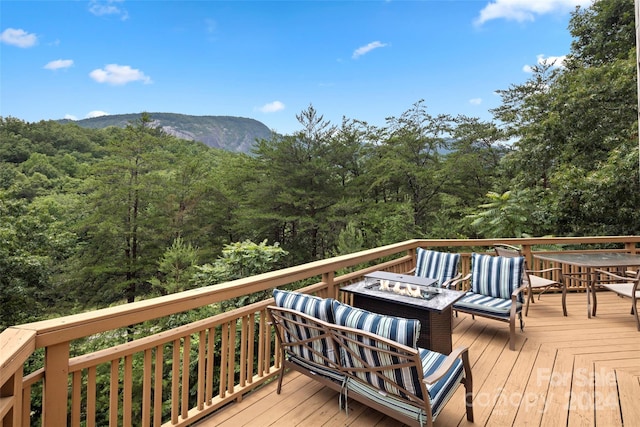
(229, 133)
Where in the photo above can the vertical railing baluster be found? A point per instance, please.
(91, 396)
(251, 340)
(186, 358)
(210, 365)
(146, 388)
(175, 382)
(76, 398)
(224, 356)
(157, 386)
(202, 337)
(231, 348)
(114, 382)
(127, 391)
(242, 363)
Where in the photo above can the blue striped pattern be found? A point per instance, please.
(496, 276)
(398, 329)
(402, 331)
(436, 265)
(439, 392)
(493, 306)
(319, 308)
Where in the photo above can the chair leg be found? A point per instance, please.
(526, 310)
(280, 379)
(512, 333)
(468, 385)
(521, 322)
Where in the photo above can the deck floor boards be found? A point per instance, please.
(570, 371)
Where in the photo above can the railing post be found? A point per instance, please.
(528, 256)
(56, 388)
(327, 279)
(630, 247)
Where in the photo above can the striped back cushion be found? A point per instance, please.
(496, 276)
(320, 308)
(400, 330)
(313, 306)
(436, 265)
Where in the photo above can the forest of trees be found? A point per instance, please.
(91, 218)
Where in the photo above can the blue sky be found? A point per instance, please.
(269, 60)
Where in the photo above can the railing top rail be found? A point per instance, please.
(63, 329)
(16, 345)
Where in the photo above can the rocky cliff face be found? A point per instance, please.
(229, 133)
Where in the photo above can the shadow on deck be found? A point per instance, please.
(565, 371)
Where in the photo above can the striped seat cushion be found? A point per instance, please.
(313, 306)
(436, 265)
(496, 276)
(493, 306)
(318, 369)
(439, 392)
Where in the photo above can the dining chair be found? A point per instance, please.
(624, 286)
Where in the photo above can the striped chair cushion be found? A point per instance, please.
(319, 308)
(398, 329)
(436, 265)
(493, 306)
(439, 392)
(496, 276)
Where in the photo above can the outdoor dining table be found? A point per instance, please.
(588, 262)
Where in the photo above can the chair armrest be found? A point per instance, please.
(447, 283)
(518, 290)
(458, 352)
(454, 283)
(546, 270)
(615, 277)
(576, 276)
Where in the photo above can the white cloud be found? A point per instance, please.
(475, 101)
(70, 117)
(368, 48)
(272, 107)
(59, 63)
(554, 61)
(526, 10)
(18, 37)
(96, 113)
(108, 7)
(115, 74)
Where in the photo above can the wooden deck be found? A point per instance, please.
(571, 371)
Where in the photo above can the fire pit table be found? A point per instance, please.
(411, 297)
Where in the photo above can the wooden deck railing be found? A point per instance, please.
(183, 374)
